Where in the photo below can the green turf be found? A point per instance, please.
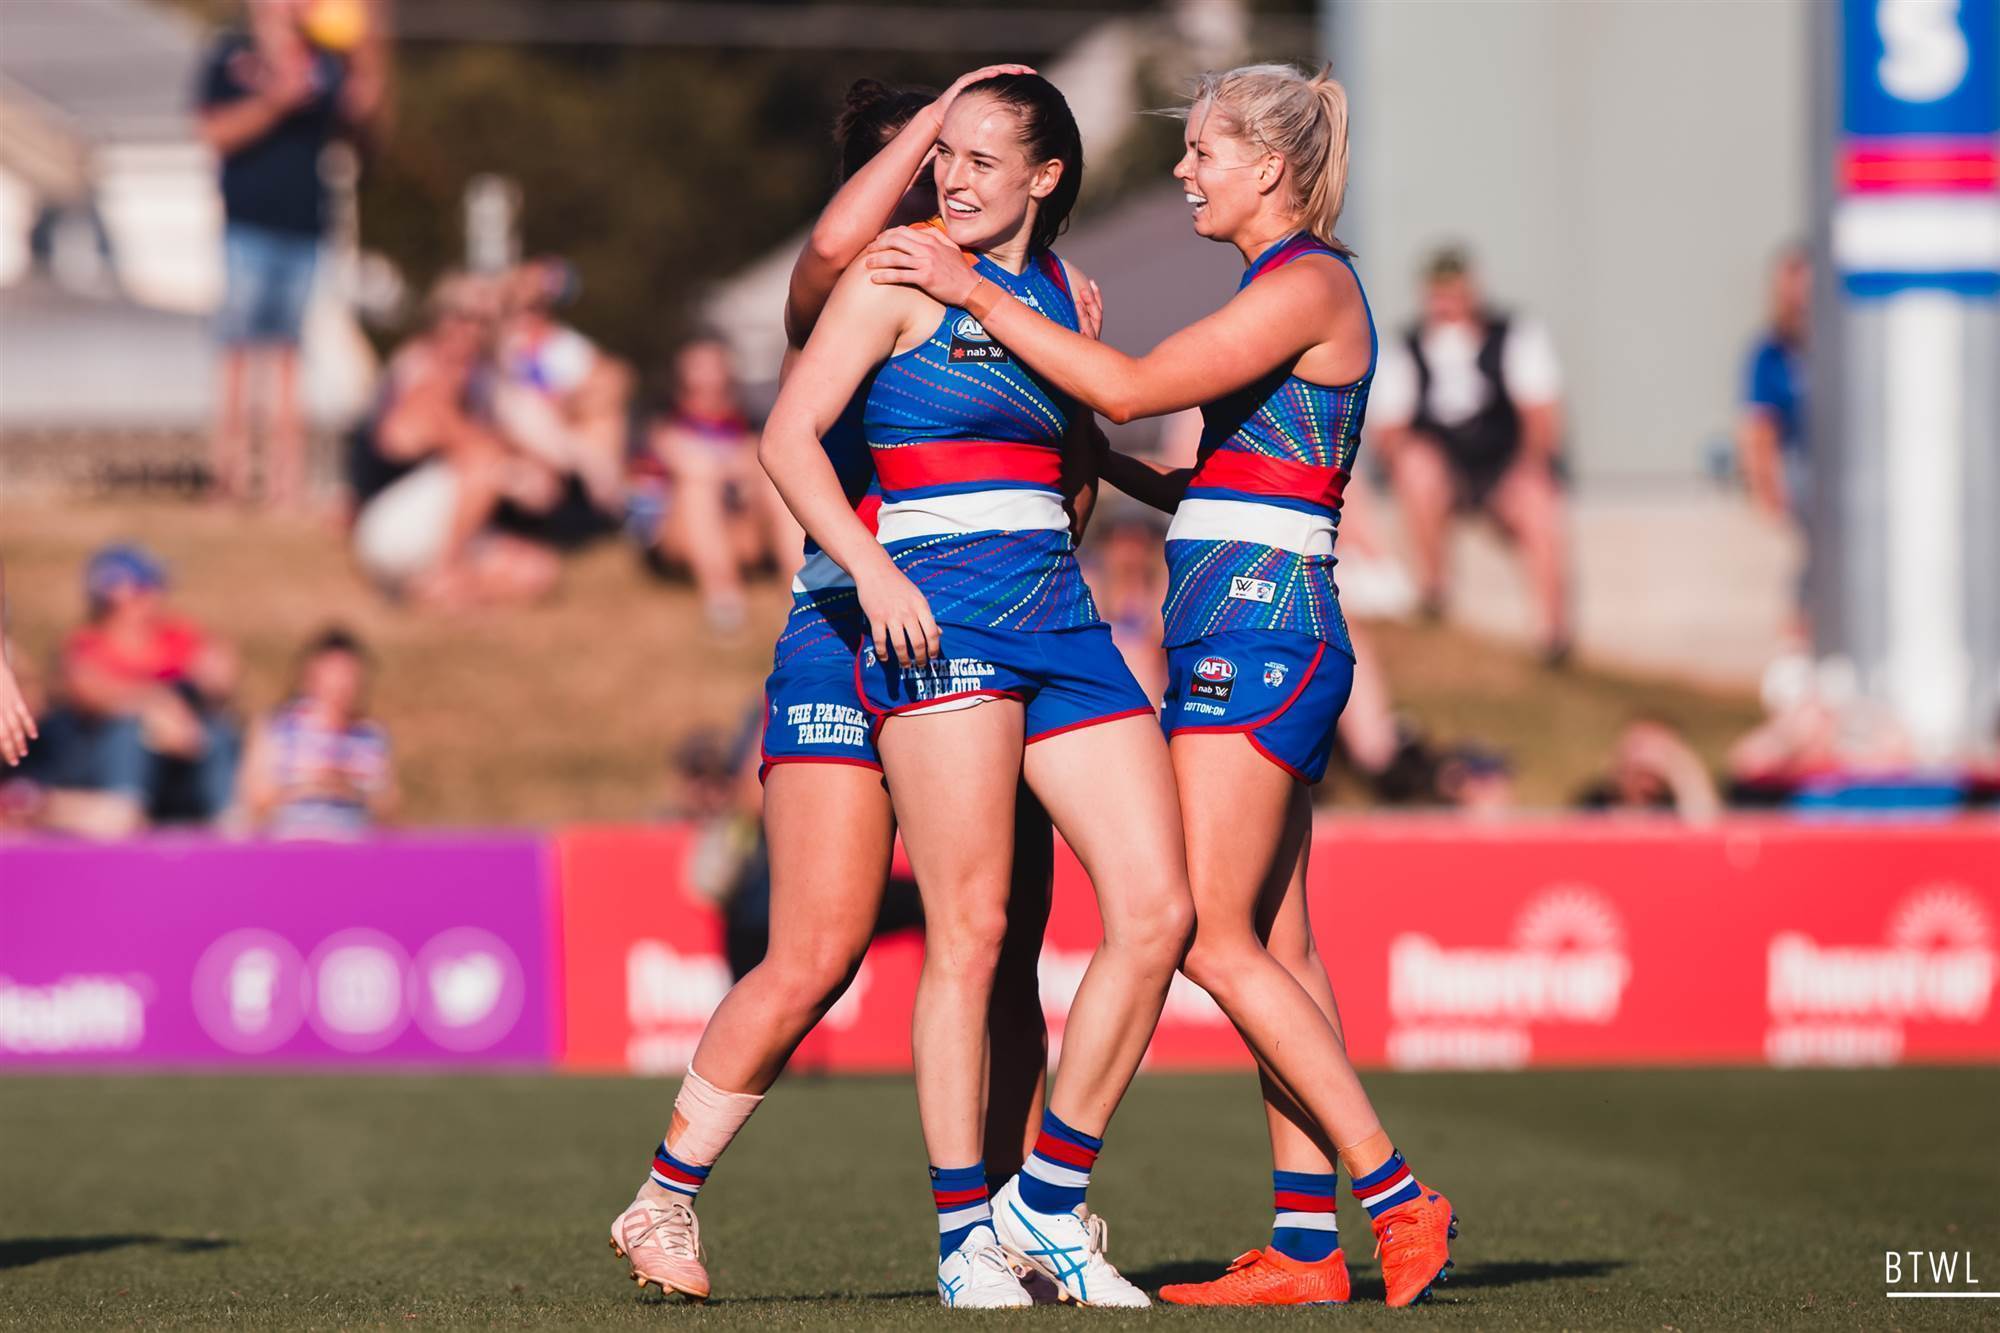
(1662, 1200)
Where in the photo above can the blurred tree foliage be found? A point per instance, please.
(656, 170)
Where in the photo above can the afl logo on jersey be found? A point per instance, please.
(1214, 678)
(971, 342)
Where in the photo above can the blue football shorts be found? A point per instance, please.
(1066, 679)
(1282, 691)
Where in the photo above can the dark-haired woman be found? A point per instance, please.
(986, 662)
(1259, 661)
(827, 816)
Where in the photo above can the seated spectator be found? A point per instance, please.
(1475, 780)
(319, 767)
(428, 476)
(140, 733)
(562, 401)
(1467, 410)
(1653, 770)
(1825, 745)
(723, 516)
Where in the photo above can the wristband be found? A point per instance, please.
(979, 302)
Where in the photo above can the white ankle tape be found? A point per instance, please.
(706, 1118)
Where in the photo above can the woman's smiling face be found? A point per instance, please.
(986, 186)
(1219, 173)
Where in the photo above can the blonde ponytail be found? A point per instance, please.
(1303, 119)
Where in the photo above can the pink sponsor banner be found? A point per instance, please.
(186, 952)
(1571, 942)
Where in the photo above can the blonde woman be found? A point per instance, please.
(1259, 660)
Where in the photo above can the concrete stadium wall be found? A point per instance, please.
(1623, 171)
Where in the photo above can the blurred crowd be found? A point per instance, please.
(502, 438)
(136, 726)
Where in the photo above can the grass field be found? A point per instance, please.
(566, 711)
(1659, 1200)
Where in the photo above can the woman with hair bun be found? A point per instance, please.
(986, 663)
(1259, 659)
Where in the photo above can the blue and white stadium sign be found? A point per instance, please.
(1919, 170)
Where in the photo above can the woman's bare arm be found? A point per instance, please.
(857, 332)
(1267, 325)
(1156, 487)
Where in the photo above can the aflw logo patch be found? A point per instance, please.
(971, 342)
(1252, 590)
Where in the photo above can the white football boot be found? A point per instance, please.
(976, 1276)
(1066, 1248)
(662, 1243)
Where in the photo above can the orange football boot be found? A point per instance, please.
(1411, 1241)
(1265, 1277)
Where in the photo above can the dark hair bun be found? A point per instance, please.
(864, 97)
(870, 117)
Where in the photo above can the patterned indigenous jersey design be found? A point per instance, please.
(1251, 544)
(968, 448)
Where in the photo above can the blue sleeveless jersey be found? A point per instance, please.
(1251, 543)
(967, 444)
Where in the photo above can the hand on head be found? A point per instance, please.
(980, 75)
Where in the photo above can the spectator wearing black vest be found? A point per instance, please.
(269, 101)
(1467, 412)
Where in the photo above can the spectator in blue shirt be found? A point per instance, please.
(1771, 431)
(270, 99)
(1770, 436)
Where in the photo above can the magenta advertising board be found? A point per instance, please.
(168, 952)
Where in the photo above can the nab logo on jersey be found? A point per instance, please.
(971, 342)
(1214, 677)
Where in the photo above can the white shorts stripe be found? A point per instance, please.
(1307, 1221)
(819, 571)
(1247, 521)
(964, 1217)
(949, 705)
(978, 511)
(1041, 1168)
